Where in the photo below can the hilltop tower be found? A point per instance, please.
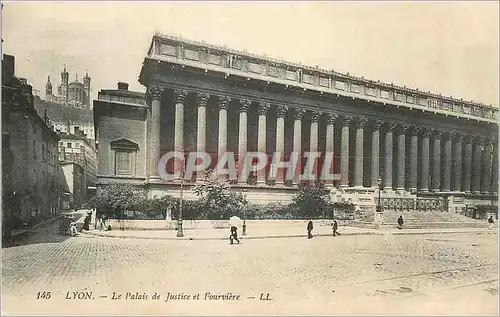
(86, 86)
(63, 89)
(48, 89)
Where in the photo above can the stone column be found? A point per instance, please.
(243, 136)
(375, 166)
(424, 173)
(447, 163)
(467, 164)
(330, 137)
(401, 157)
(313, 139)
(457, 163)
(358, 168)
(344, 155)
(201, 137)
(280, 141)
(413, 159)
(179, 96)
(297, 141)
(155, 92)
(486, 170)
(387, 179)
(476, 166)
(223, 104)
(436, 161)
(494, 169)
(261, 139)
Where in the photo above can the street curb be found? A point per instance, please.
(281, 236)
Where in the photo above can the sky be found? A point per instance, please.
(450, 48)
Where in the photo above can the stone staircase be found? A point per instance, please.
(414, 219)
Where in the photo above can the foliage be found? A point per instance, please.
(312, 200)
(216, 199)
(114, 199)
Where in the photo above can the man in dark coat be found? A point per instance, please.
(234, 235)
(309, 229)
(335, 227)
(400, 222)
(491, 222)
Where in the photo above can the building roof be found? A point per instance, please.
(262, 59)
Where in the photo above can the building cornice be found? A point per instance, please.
(187, 53)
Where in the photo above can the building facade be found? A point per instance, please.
(31, 178)
(78, 149)
(430, 151)
(75, 128)
(75, 94)
(75, 177)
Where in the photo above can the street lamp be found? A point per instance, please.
(244, 232)
(180, 233)
(379, 205)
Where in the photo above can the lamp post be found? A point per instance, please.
(244, 232)
(180, 233)
(379, 205)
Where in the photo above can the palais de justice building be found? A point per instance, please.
(431, 151)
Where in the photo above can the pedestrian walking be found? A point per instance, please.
(310, 228)
(400, 222)
(335, 227)
(491, 222)
(234, 235)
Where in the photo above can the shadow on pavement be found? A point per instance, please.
(46, 234)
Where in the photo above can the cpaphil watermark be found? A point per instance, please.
(318, 165)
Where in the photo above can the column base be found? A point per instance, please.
(344, 185)
(154, 179)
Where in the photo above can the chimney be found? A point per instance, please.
(122, 86)
(8, 65)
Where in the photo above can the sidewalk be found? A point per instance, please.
(264, 232)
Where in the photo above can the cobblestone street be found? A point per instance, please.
(414, 274)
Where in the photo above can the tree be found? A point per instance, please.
(312, 200)
(217, 200)
(114, 199)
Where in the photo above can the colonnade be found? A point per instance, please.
(433, 160)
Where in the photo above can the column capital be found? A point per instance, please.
(180, 95)
(281, 111)
(415, 130)
(468, 138)
(479, 139)
(377, 125)
(426, 132)
(457, 136)
(346, 121)
(448, 135)
(403, 128)
(263, 108)
(391, 126)
(245, 104)
(437, 133)
(361, 122)
(298, 113)
(315, 116)
(332, 117)
(154, 92)
(202, 99)
(223, 102)
(489, 141)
